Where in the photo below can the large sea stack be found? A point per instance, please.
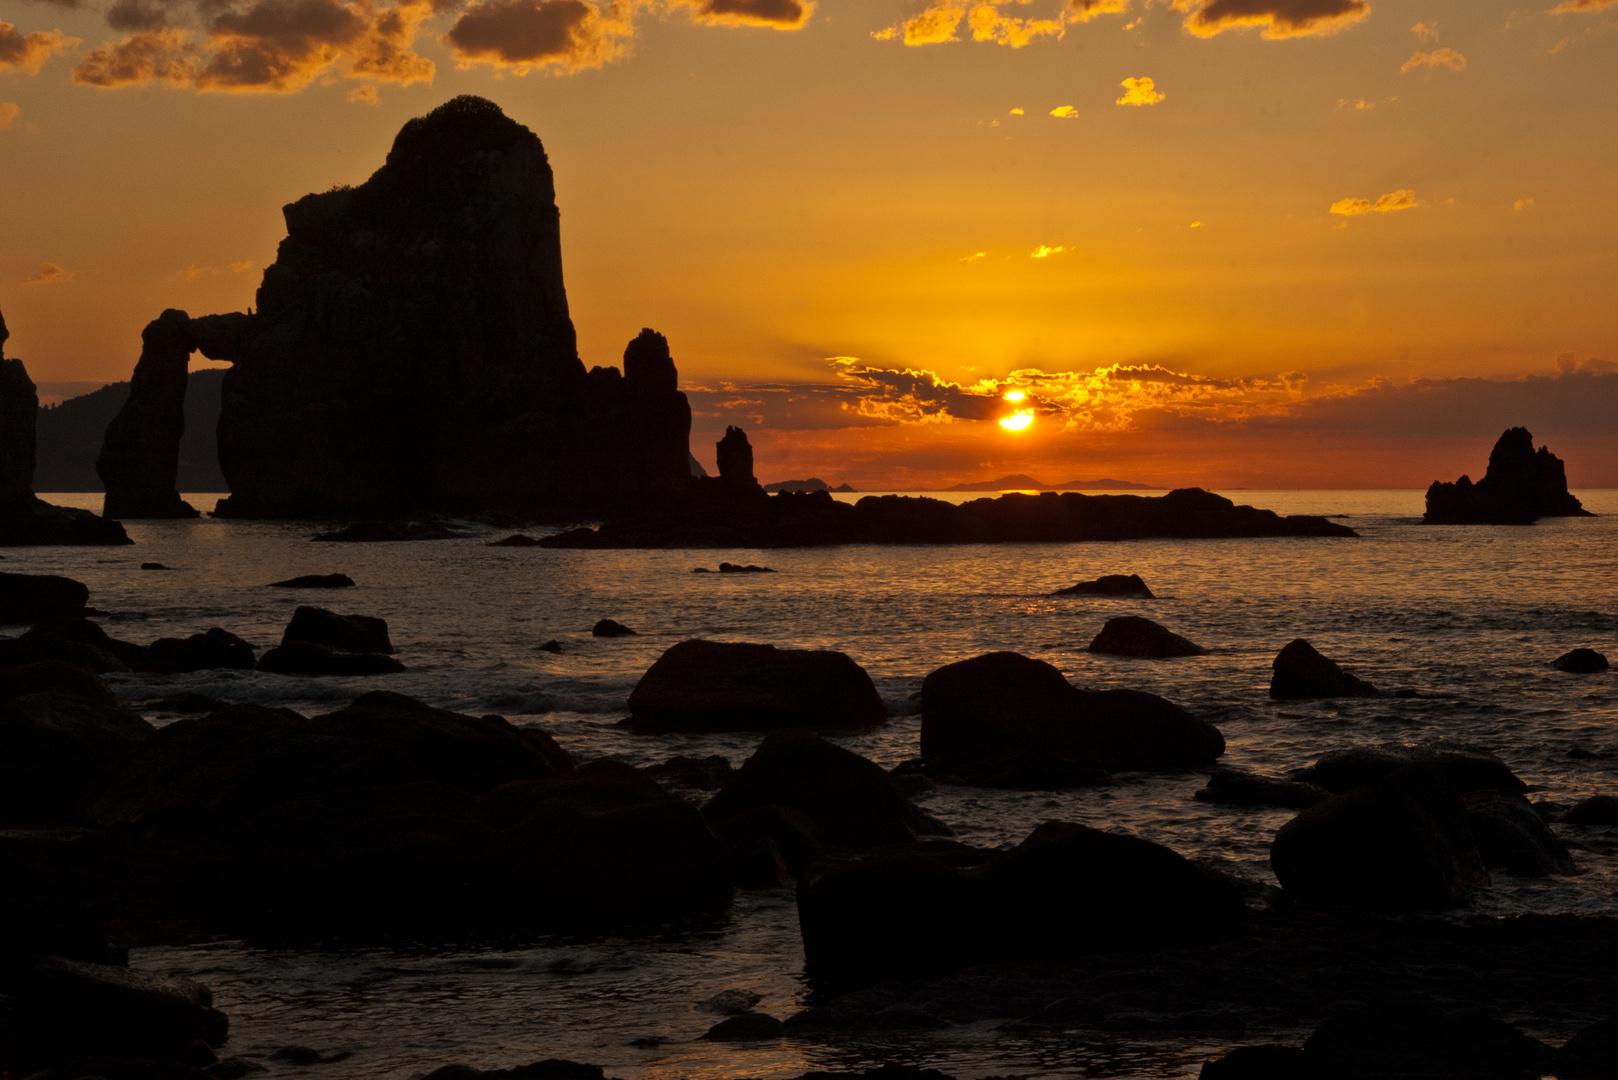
(412, 352)
(1521, 486)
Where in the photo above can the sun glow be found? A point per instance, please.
(1018, 420)
(1013, 395)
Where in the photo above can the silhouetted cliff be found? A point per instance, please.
(1520, 486)
(412, 349)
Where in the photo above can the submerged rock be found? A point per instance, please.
(610, 628)
(315, 581)
(1236, 787)
(1520, 486)
(733, 686)
(351, 633)
(1110, 585)
(1302, 673)
(1581, 662)
(1132, 635)
(1400, 843)
(383, 532)
(1008, 704)
(746, 1027)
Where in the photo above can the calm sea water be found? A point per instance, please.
(1469, 616)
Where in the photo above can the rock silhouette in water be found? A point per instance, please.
(1521, 486)
(140, 453)
(413, 351)
(24, 519)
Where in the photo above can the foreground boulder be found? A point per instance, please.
(31, 598)
(61, 736)
(321, 642)
(75, 641)
(1302, 673)
(1413, 1038)
(215, 648)
(1132, 635)
(1464, 769)
(1592, 1054)
(799, 796)
(73, 1009)
(1520, 486)
(1009, 706)
(1581, 662)
(733, 686)
(390, 819)
(1400, 843)
(1065, 891)
(1110, 585)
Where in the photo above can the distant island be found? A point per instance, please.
(70, 437)
(1024, 482)
(800, 487)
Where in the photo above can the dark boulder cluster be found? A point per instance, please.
(728, 514)
(1129, 585)
(24, 519)
(1411, 828)
(1521, 486)
(321, 642)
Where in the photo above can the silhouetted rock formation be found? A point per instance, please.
(412, 349)
(70, 436)
(1133, 635)
(1236, 787)
(1301, 673)
(735, 456)
(315, 581)
(140, 455)
(1520, 486)
(1065, 891)
(734, 686)
(25, 520)
(1110, 585)
(610, 628)
(32, 598)
(719, 515)
(321, 642)
(1018, 722)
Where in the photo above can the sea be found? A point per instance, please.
(1468, 616)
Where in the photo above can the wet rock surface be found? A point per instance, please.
(1301, 673)
(1005, 707)
(1520, 486)
(735, 686)
(1133, 635)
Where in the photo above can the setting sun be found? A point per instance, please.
(1014, 395)
(1018, 420)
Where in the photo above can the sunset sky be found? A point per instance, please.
(1295, 243)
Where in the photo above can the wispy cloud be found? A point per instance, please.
(49, 274)
(1393, 201)
(1445, 57)
(9, 111)
(1064, 112)
(1141, 91)
(1045, 251)
(1571, 7)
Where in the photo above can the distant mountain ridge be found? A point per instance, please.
(1024, 482)
(814, 483)
(69, 437)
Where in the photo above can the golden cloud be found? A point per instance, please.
(1045, 251)
(1062, 112)
(779, 14)
(1279, 18)
(566, 35)
(1437, 58)
(989, 25)
(1082, 11)
(1141, 91)
(364, 95)
(1569, 7)
(28, 52)
(152, 56)
(9, 111)
(1427, 31)
(934, 26)
(1403, 199)
(48, 274)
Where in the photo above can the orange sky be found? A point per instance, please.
(1254, 242)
